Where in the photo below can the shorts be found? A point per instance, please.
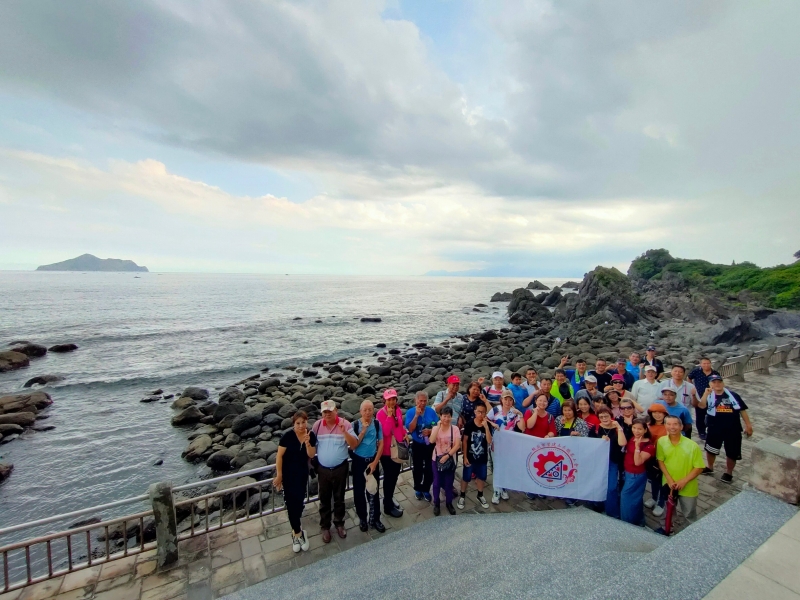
(480, 472)
(732, 440)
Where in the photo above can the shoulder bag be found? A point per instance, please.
(450, 463)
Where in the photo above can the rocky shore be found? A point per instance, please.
(20, 413)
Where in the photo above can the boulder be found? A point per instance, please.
(9, 428)
(5, 471)
(380, 370)
(733, 331)
(571, 285)
(195, 393)
(287, 410)
(231, 395)
(255, 464)
(11, 360)
(536, 285)
(61, 348)
(273, 420)
(268, 383)
(23, 419)
(501, 297)
(183, 402)
(223, 410)
(25, 402)
(221, 460)
(42, 380)
(310, 372)
(552, 298)
(371, 319)
(31, 350)
(352, 405)
(188, 415)
(197, 447)
(246, 421)
(267, 448)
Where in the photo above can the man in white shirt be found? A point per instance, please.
(648, 390)
(686, 392)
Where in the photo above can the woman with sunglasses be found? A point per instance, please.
(618, 385)
(627, 417)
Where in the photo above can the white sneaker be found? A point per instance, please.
(296, 543)
(304, 543)
(658, 511)
(496, 497)
(504, 494)
(483, 501)
(650, 503)
(460, 503)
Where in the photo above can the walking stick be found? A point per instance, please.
(672, 500)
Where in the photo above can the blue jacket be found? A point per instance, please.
(428, 419)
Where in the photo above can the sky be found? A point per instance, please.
(398, 137)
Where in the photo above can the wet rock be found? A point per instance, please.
(61, 348)
(31, 350)
(85, 522)
(536, 285)
(197, 448)
(223, 410)
(187, 416)
(221, 460)
(380, 370)
(246, 421)
(380, 345)
(571, 285)
(10, 428)
(287, 410)
(196, 393)
(310, 372)
(371, 319)
(25, 402)
(5, 471)
(149, 399)
(24, 419)
(552, 298)
(501, 297)
(42, 380)
(11, 360)
(158, 463)
(268, 383)
(231, 395)
(183, 402)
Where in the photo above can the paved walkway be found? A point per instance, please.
(228, 560)
(770, 572)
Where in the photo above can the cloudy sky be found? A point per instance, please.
(503, 137)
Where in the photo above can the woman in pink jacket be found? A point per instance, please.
(391, 419)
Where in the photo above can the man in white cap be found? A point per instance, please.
(590, 391)
(648, 390)
(495, 391)
(335, 437)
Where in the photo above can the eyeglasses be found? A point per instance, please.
(626, 407)
(619, 383)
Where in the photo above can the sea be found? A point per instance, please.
(138, 332)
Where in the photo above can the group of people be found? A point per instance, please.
(645, 415)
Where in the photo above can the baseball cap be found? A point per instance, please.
(621, 361)
(591, 379)
(669, 388)
(618, 377)
(453, 379)
(498, 374)
(715, 378)
(656, 407)
(390, 393)
(328, 405)
(650, 368)
(507, 394)
(651, 347)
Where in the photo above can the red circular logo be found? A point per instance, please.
(551, 465)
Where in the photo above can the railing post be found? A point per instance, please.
(794, 353)
(781, 355)
(741, 365)
(718, 365)
(766, 356)
(166, 524)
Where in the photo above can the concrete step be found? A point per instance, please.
(553, 554)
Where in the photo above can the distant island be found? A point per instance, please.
(89, 262)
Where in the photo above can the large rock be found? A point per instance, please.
(571, 285)
(24, 419)
(268, 383)
(537, 285)
(231, 395)
(380, 370)
(353, 405)
(552, 298)
(183, 402)
(61, 348)
(31, 350)
(606, 295)
(5, 471)
(221, 460)
(11, 360)
(25, 402)
(187, 416)
(197, 447)
(733, 331)
(524, 303)
(195, 393)
(223, 410)
(501, 297)
(42, 380)
(10, 428)
(246, 421)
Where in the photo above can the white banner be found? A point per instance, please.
(566, 467)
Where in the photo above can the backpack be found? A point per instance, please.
(357, 426)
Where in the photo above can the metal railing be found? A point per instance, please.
(54, 554)
(735, 367)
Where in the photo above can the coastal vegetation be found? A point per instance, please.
(776, 287)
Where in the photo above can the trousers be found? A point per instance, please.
(631, 507)
(422, 456)
(332, 486)
(360, 495)
(391, 471)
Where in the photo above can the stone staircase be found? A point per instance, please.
(553, 554)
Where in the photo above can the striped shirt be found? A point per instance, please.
(332, 448)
